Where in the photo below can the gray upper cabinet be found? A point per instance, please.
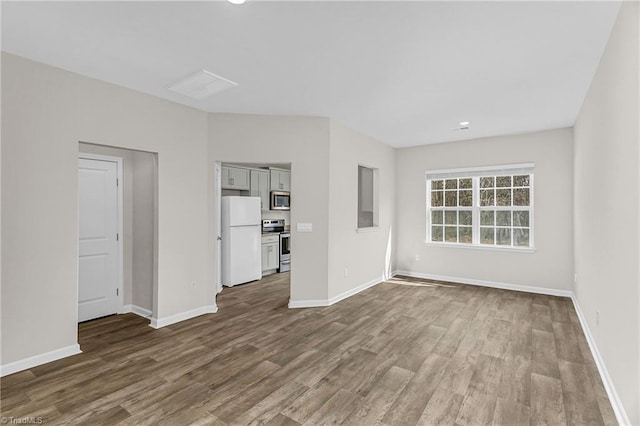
(260, 187)
(235, 178)
(280, 180)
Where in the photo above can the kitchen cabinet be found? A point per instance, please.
(235, 178)
(260, 187)
(280, 180)
(270, 254)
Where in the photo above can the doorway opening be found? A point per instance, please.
(264, 192)
(118, 229)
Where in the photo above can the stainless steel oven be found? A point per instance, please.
(280, 200)
(274, 226)
(285, 252)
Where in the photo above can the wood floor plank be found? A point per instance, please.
(67, 377)
(515, 384)
(108, 416)
(407, 351)
(87, 412)
(580, 402)
(520, 339)
(541, 317)
(316, 371)
(566, 342)
(498, 339)
(410, 404)
(477, 408)
(282, 420)
(137, 402)
(559, 310)
(172, 407)
(311, 401)
(207, 419)
(547, 404)
(68, 400)
(449, 314)
(488, 374)
(270, 407)
(544, 358)
(240, 384)
(228, 405)
(363, 384)
(48, 413)
(442, 408)
(449, 342)
(9, 402)
(458, 375)
(335, 410)
(511, 413)
(377, 402)
(479, 403)
(420, 346)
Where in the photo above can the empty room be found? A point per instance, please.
(243, 212)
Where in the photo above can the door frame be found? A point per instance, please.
(120, 209)
(217, 202)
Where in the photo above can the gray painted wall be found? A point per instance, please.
(551, 264)
(144, 266)
(367, 256)
(607, 193)
(42, 123)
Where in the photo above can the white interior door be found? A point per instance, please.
(218, 227)
(98, 292)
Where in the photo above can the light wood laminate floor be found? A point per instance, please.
(404, 352)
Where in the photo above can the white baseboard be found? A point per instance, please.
(328, 302)
(145, 313)
(356, 290)
(492, 284)
(33, 361)
(311, 303)
(182, 316)
(616, 404)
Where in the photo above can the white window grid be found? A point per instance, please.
(476, 209)
(457, 209)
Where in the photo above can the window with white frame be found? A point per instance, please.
(489, 206)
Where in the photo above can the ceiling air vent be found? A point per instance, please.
(201, 85)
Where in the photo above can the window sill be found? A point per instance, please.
(370, 229)
(529, 250)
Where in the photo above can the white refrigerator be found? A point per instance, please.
(241, 239)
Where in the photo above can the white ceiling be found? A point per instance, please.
(405, 73)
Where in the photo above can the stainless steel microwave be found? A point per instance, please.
(280, 200)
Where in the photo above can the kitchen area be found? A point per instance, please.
(255, 221)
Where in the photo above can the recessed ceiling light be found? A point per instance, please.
(464, 123)
(202, 84)
(236, 1)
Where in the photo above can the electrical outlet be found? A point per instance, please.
(346, 272)
(417, 257)
(575, 278)
(597, 318)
